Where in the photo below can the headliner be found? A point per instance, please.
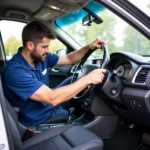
(26, 10)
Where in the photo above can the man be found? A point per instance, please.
(25, 78)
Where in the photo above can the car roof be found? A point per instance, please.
(44, 10)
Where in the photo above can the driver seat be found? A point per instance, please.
(67, 137)
(49, 121)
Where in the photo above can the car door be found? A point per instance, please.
(2, 54)
(57, 74)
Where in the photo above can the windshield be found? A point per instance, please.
(119, 35)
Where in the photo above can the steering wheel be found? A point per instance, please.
(82, 70)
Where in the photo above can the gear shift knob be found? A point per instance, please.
(70, 115)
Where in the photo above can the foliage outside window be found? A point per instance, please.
(119, 35)
(56, 45)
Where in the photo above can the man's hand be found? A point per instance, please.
(96, 76)
(96, 44)
(76, 56)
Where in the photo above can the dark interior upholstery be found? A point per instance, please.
(67, 137)
(64, 138)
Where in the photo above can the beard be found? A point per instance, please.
(37, 57)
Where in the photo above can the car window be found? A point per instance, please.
(11, 35)
(56, 45)
(119, 35)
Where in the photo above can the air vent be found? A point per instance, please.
(142, 75)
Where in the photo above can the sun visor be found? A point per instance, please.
(72, 1)
(16, 14)
(46, 14)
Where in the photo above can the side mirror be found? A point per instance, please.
(61, 52)
(88, 19)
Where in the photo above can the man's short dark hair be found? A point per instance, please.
(35, 31)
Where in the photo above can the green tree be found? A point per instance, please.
(12, 45)
(135, 42)
(86, 34)
(106, 31)
(55, 45)
(148, 5)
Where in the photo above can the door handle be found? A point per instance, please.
(56, 70)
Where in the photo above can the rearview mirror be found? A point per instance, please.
(87, 20)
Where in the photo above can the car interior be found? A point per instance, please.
(113, 115)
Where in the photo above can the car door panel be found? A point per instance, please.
(57, 74)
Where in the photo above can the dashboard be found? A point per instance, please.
(127, 86)
(122, 67)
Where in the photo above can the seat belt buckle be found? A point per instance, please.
(28, 133)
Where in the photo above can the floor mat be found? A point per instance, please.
(127, 140)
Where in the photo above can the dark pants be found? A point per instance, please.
(61, 109)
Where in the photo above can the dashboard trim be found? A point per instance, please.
(133, 80)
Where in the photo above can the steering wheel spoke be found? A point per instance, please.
(82, 70)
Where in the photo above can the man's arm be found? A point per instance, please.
(76, 56)
(62, 94)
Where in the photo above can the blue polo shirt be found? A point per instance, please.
(20, 81)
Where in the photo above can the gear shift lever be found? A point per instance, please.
(70, 115)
